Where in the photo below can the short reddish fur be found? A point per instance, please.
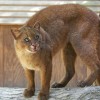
(72, 28)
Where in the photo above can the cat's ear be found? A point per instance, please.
(15, 32)
(36, 26)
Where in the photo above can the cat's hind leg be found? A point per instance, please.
(69, 57)
(86, 49)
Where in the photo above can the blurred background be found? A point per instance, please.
(14, 13)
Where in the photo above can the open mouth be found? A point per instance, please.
(33, 49)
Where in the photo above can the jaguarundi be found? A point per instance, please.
(72, 28)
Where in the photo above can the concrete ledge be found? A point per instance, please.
(87, 93)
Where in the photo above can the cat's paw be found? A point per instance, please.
(42, 96)
(28, 93)
(57, 85)
(82, 84)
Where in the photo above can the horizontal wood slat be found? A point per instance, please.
(37, 8)
(95, 2)
(27, 11)
(13, 11)
(23, 5)
(46, 5)
(32, 9)
(15, 16)
(10, 21)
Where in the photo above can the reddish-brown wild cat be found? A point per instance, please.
(70, 27)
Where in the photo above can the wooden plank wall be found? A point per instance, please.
(11, 72)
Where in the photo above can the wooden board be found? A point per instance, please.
(1, 57)
(8, 58)
(13, 74)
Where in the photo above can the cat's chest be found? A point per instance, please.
(29, 61)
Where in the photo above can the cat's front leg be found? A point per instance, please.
(45, 81)
(29, 91)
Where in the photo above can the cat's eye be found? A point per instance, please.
(26, 39)
(36, 37)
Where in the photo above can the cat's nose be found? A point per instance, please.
(33, 46)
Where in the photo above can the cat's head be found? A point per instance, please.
(28, 38)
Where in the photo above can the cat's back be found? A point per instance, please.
(63, 12)
(52, 13)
